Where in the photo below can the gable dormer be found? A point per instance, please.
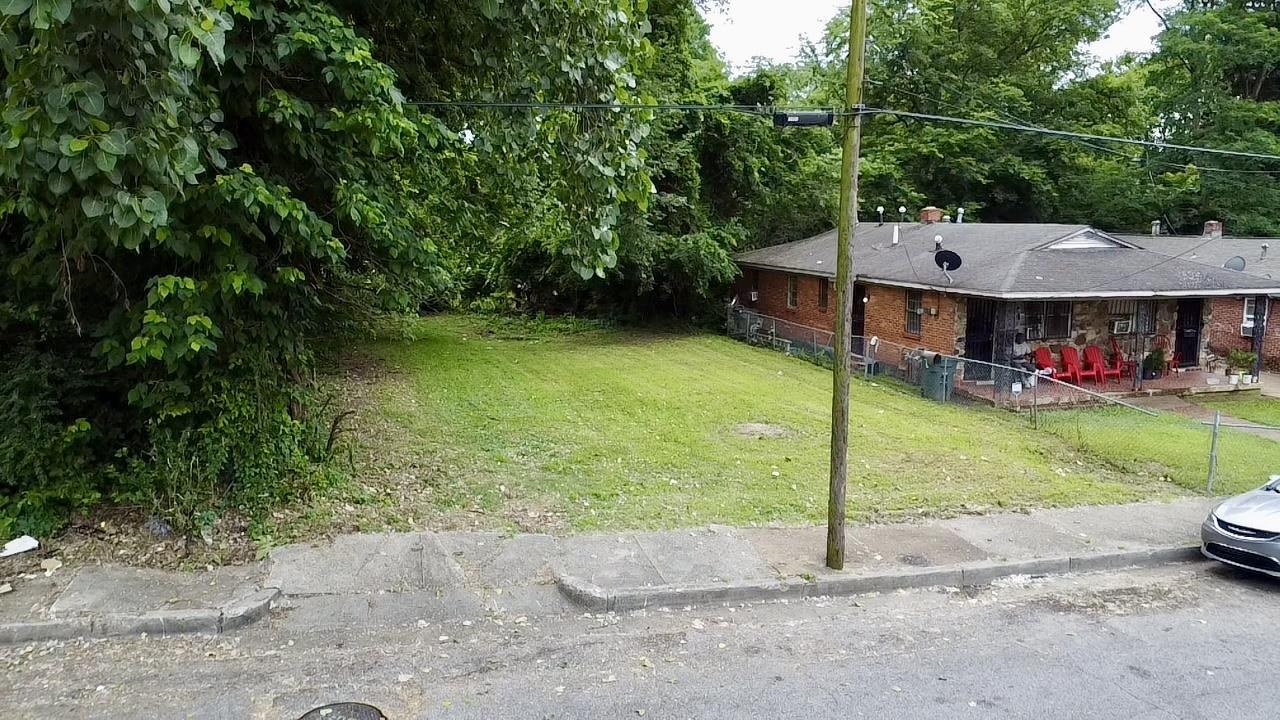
(1086, 239)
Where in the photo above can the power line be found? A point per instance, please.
(860, 110)
(1066, 133)
(627, 107)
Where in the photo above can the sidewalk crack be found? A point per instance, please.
(652, 564)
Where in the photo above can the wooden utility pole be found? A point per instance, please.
(852, 130)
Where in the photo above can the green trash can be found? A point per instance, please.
(939, 378)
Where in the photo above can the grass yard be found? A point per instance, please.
(1258, 409)
(1169, 446)
(511, 425)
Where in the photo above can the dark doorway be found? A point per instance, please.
(1186, 340)
(979, 337)
(858, 319)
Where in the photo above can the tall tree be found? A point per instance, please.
(995, 59)
(193, 190)
(1217, 77)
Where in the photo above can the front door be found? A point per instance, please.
(979, 337)
(1187, 333)
(858, 319)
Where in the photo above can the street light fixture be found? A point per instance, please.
(814, 118)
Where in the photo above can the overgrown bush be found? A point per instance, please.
(192, 191)
(47, 467)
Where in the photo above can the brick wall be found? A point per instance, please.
(885, 309)
(1225, 317)
(773, 297)
(886, 313)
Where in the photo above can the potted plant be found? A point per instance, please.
(1240, 364)
(1153, 364)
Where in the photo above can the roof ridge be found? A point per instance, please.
(1011, 276)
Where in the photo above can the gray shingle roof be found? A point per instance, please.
(1010, 260)
(1217, 251)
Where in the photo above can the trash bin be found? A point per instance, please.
(939, 378)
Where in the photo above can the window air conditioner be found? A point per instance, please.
(1246, 330)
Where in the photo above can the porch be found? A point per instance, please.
(1048, 393)
(1127, 331)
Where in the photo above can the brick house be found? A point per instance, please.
(1058, 284)
(1231, 322)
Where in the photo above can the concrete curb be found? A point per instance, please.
(230, 616)
(593, 597)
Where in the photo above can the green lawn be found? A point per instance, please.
(1257, 409)
(1169, 446)
(482, 424)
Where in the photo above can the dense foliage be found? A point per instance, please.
(194, 191)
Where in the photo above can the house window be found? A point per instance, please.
(1132, 317)
(793, 292)
(1250, 315)
(915, 311)
(755, 281)
(1048, 320)
(824, 291)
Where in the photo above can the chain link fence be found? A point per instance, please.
(1153, 432)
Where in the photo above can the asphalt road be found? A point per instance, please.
(1193, 641)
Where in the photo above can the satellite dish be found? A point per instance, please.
(1236, 263)
(947, 260)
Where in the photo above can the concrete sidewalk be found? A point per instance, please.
(1186, 408)
(419, 579)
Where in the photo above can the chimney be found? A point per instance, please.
(930, 215)
(1155, 227)
(1213, 228)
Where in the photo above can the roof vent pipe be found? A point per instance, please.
(937, 243)
(1155, 227)
(1213, 229)
(895, 235)
(1265, 247)
(959, 215)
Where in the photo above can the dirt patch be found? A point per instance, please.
(761, 430)
(1122, 600)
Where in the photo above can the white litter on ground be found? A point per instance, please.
(19, 545)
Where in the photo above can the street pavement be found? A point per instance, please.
(1180, 641)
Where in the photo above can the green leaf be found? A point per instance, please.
(78, 145)
(105, 161)
(489, 8)
(14, 7)
(188, 55)
(61, 10)
(92, 103)
(59, 183)
(114, 142)
(92, 206)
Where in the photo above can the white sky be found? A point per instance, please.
(773, 28)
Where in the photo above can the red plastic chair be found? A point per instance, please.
(1044, 360)
(1071, 371)
(1120, 361)
(1094, 364)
